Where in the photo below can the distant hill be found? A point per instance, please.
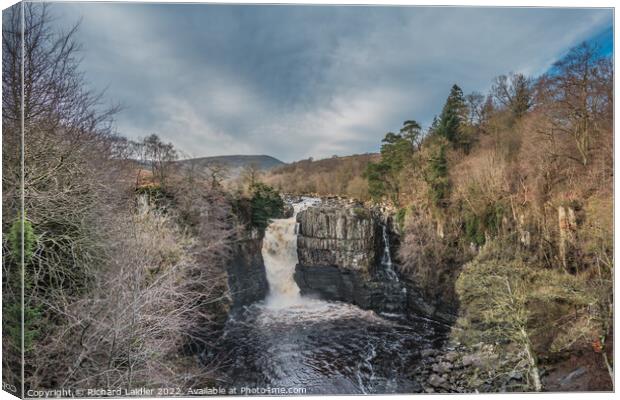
(236, 161)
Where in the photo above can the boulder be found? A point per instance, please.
(437, 381)
(442, 367)
(451, 356)
(472, 359)
(428, 353)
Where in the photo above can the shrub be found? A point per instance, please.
(15, 240)
(399, 218)
(506, 300)
(478, 226)
(266, 204)
(429, 260)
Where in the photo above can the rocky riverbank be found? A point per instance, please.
(486, 368)
(459, 369)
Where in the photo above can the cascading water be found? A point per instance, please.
(280, 257)
(395, 292)
(291, 341)
(386, 258)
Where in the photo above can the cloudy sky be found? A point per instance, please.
(306, 81)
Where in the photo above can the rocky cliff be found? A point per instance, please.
(247, 279)
(339, 249)
(336, 236)
(345, 254)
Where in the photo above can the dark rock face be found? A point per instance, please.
(247, 279)
(333, 283)
(339, 251)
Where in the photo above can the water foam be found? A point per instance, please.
(280, 257)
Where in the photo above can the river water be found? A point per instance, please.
(290, 344)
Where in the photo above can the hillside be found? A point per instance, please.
(263, 162)
(330, 176)
(230, 167)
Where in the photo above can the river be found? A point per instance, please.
(291, 344)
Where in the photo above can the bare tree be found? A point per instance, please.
(475, 105)
(514, 92)
(577, 100)
(160, 156)
(218, 172)
(251, 174)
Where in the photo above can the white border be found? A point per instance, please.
(506, 3)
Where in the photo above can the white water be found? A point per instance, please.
(280, 256)
(386, 259)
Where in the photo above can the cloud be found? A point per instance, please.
(300, 81)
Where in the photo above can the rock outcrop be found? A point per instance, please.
(342, 256)
(247, 279)
(340, 249)
(340, 237)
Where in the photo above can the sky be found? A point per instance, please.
(306, 81)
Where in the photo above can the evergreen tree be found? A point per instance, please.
(376, 174)
(266, 204)
(437, 177)
(523, 98)
(396, 150)
(452, 116)
(432, 130)
(383, 177)
(412, 131)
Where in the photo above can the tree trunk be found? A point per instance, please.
(531, 358)
(567, 227)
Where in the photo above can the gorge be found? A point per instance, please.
(335, 317)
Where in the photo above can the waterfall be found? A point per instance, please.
(386, 258)
(280, 257)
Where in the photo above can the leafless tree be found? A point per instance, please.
(251, 174)
(160, 156)
(475, 105)
(577, 100)
(514, 92)
(218, 172)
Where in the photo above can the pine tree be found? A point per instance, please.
(452, 115)
(412, 131)
(433, 129)
(437, 177)
(384, 176)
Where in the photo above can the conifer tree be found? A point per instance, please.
(452, 115)
(437, 177)
(412, 131)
